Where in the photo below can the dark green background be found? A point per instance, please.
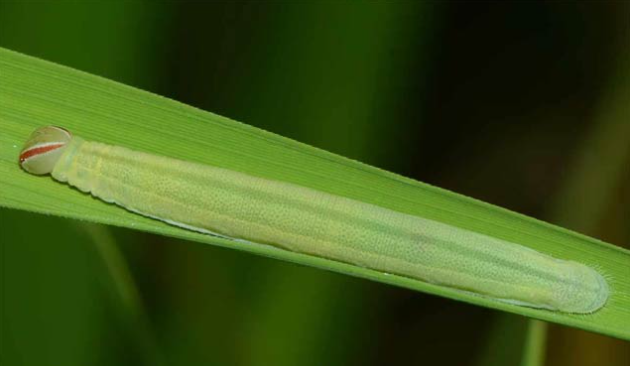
(491, 100)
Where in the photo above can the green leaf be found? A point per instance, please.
(35, 93)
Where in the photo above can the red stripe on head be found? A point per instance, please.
(37, 150)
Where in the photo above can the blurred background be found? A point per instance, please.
(525, 105)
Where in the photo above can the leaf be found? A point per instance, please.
(35, 93)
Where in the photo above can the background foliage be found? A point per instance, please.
(505, 103)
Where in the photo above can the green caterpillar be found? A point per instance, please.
(222, 202)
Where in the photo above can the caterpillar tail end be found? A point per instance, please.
(602, 294)
(590, 293)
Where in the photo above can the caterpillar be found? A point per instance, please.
(231, 204)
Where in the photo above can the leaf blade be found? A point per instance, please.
(35, 92)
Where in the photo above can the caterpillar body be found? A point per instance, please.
(219, 201)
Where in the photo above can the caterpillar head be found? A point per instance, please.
(43, 148)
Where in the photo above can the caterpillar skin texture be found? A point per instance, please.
(216, 200)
